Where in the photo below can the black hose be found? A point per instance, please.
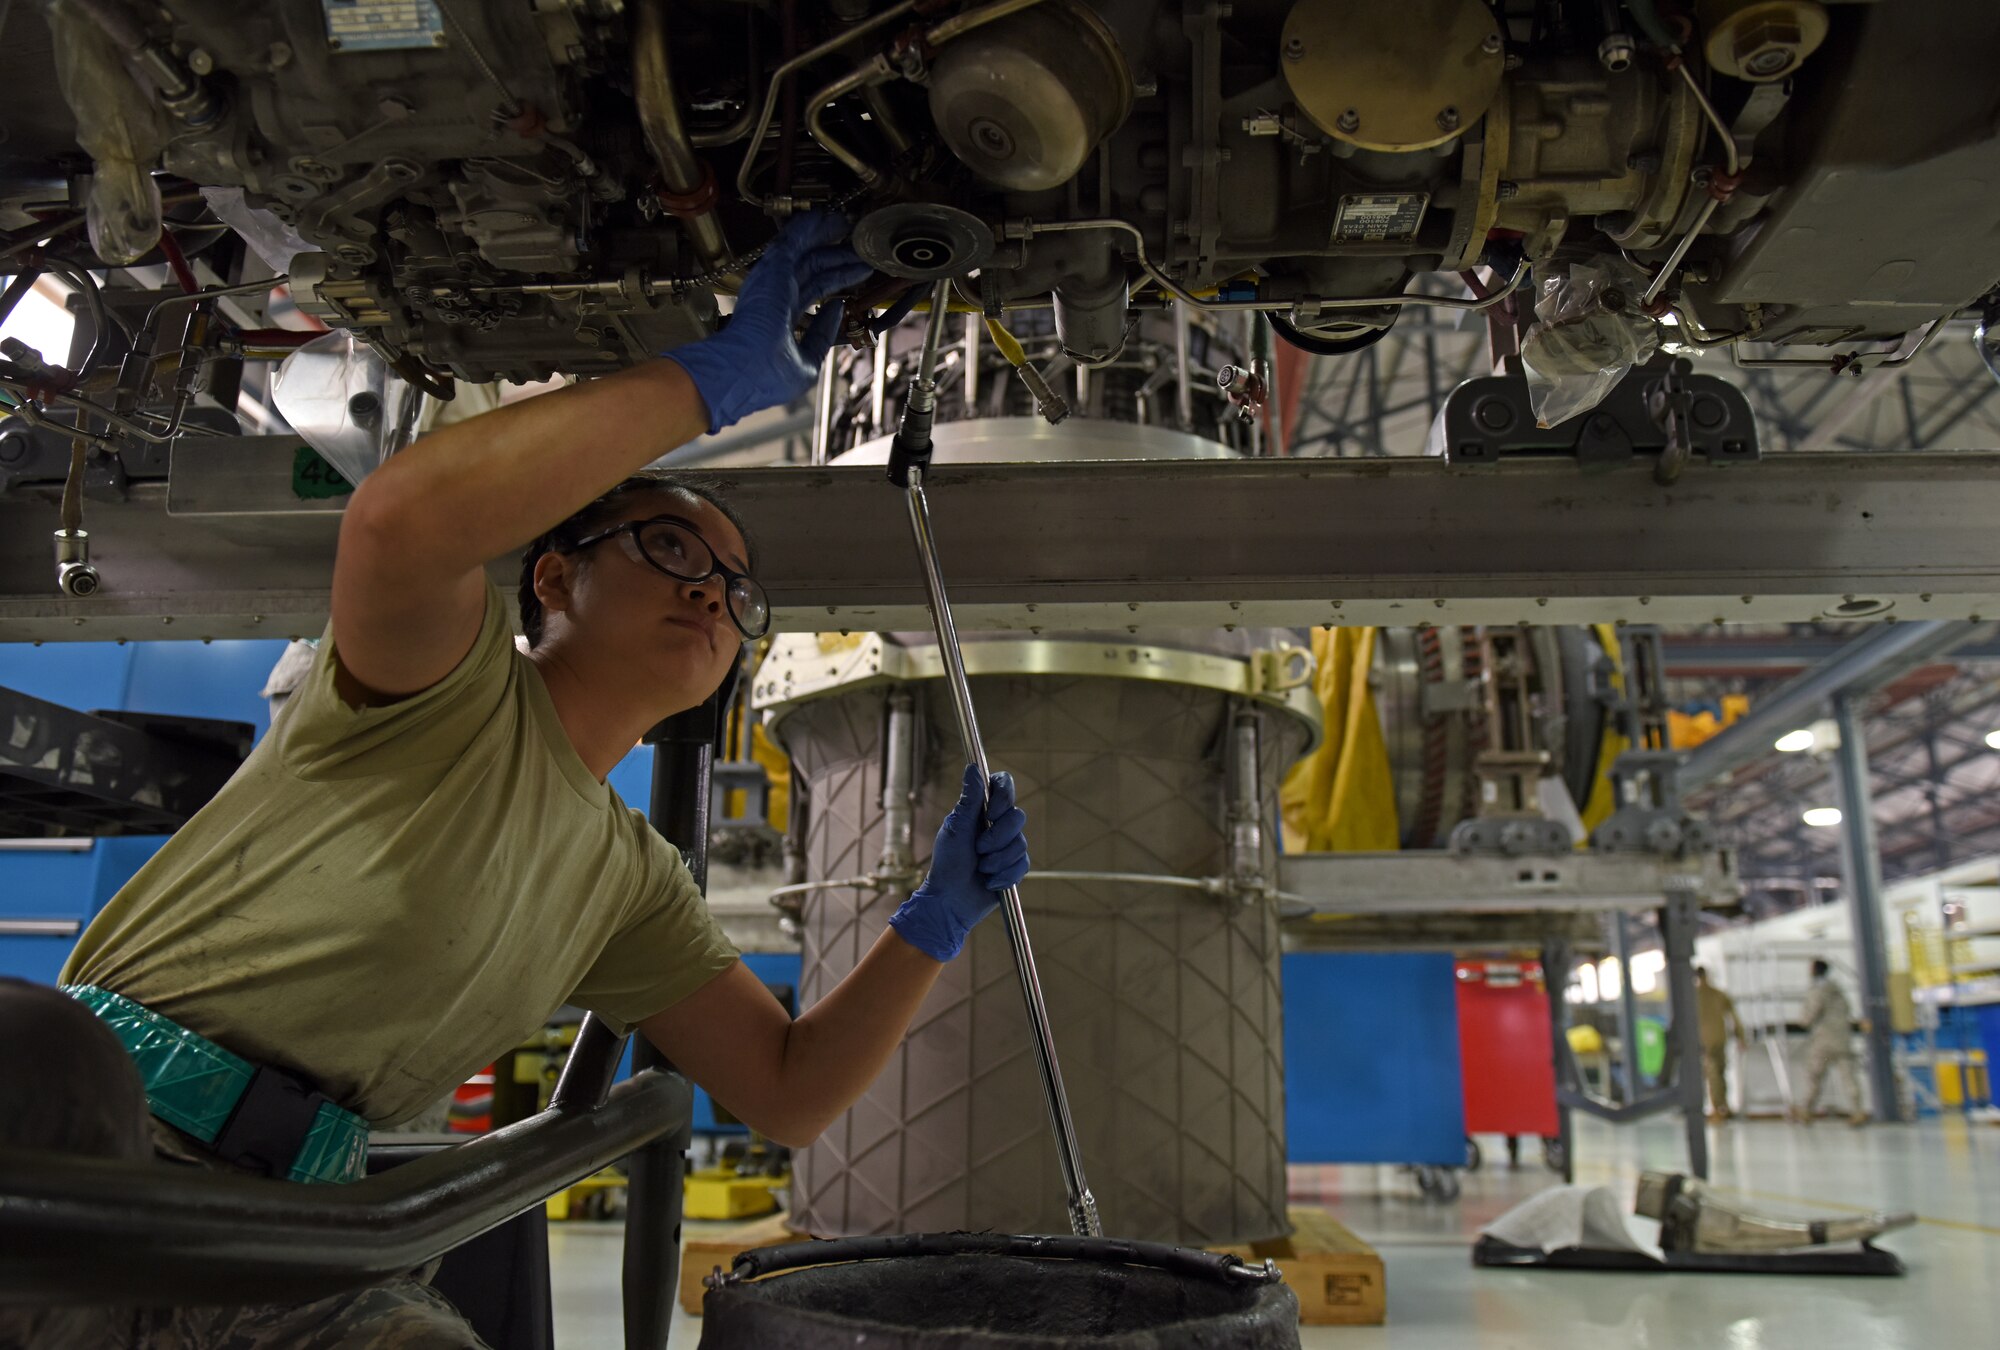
(22, 283)
(897, 312)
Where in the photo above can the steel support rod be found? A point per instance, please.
(1628, 1007)
(1679, 918)
(1861, 870)
(1082, 1206)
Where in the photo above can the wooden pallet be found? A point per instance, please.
(1336, 1276)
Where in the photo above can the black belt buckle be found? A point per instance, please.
(270, 1123)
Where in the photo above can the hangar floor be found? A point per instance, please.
(1948, 1173)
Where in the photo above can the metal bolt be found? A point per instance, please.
(1492, 44)
(1295, 48)
(1448, 120)
(1506, 188)
(1349, 122)
(200, 62)
(280, 55)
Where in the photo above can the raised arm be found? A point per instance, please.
(788, 1079)
(407, 589)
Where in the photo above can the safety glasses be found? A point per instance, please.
(673, 546)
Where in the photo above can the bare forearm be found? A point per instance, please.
(485, 486)
(838, 1047)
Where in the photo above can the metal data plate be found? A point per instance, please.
(382, 25)
(1380, 217)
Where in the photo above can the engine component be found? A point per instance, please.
(1394, 75)
(922, 240)
(955, 1135)
(1692, 1219)
(1024, 100)
(75, 577)
(1761, 40)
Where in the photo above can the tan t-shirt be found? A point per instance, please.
(387, 898)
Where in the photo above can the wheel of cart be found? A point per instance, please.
(1474, 1159)
(1554, 1156)
(1436, 1183)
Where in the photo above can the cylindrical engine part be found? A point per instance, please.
(1426, 683)
(1164, 999)
(1024, 100)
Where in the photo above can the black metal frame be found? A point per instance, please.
(91, 1230)
(1679, 920)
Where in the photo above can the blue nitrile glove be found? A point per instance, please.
(753, 361)
(980, 852)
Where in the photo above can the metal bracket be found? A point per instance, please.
(1648, 413)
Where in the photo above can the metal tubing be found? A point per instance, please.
(666, 135)
(94, 1230)
(1030, 228)
(784, 71)
(1082, 1205)
(822, 425)
(1861, 870)
(1628, 1006)
(899, 776)
(1183, 390)
(683, 758)
(1245, 825)
(876, 71)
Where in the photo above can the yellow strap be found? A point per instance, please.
(1004, 340)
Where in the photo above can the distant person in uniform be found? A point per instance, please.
(1829, 1023)
(1715, 1014)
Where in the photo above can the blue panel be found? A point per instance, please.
(202, 679)
(81, 675)
(185, 679)
(1371, 1059)
(632, 779)
(34, 958)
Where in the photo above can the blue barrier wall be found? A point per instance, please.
(186, 679)
(1371, 1059)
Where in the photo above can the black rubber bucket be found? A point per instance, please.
(982, 1291)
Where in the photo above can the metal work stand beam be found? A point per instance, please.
(1683, 1093)
(1861, 870)
(228, 549)
(683, 756)
(1555, 978)
(1678, 923)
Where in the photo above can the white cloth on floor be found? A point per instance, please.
(1570, 1216)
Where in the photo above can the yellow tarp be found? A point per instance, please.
(1603, 795)
(1341, 798)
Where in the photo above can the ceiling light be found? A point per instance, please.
(1993, 739)
(1822, 815)
(1792, 742)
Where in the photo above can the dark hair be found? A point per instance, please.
(1820, 968)
(1700, 973)
(600, 513)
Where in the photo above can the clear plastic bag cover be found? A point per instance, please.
(121, 129)
(344, 400)
(268, 237)
(1588, 333)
